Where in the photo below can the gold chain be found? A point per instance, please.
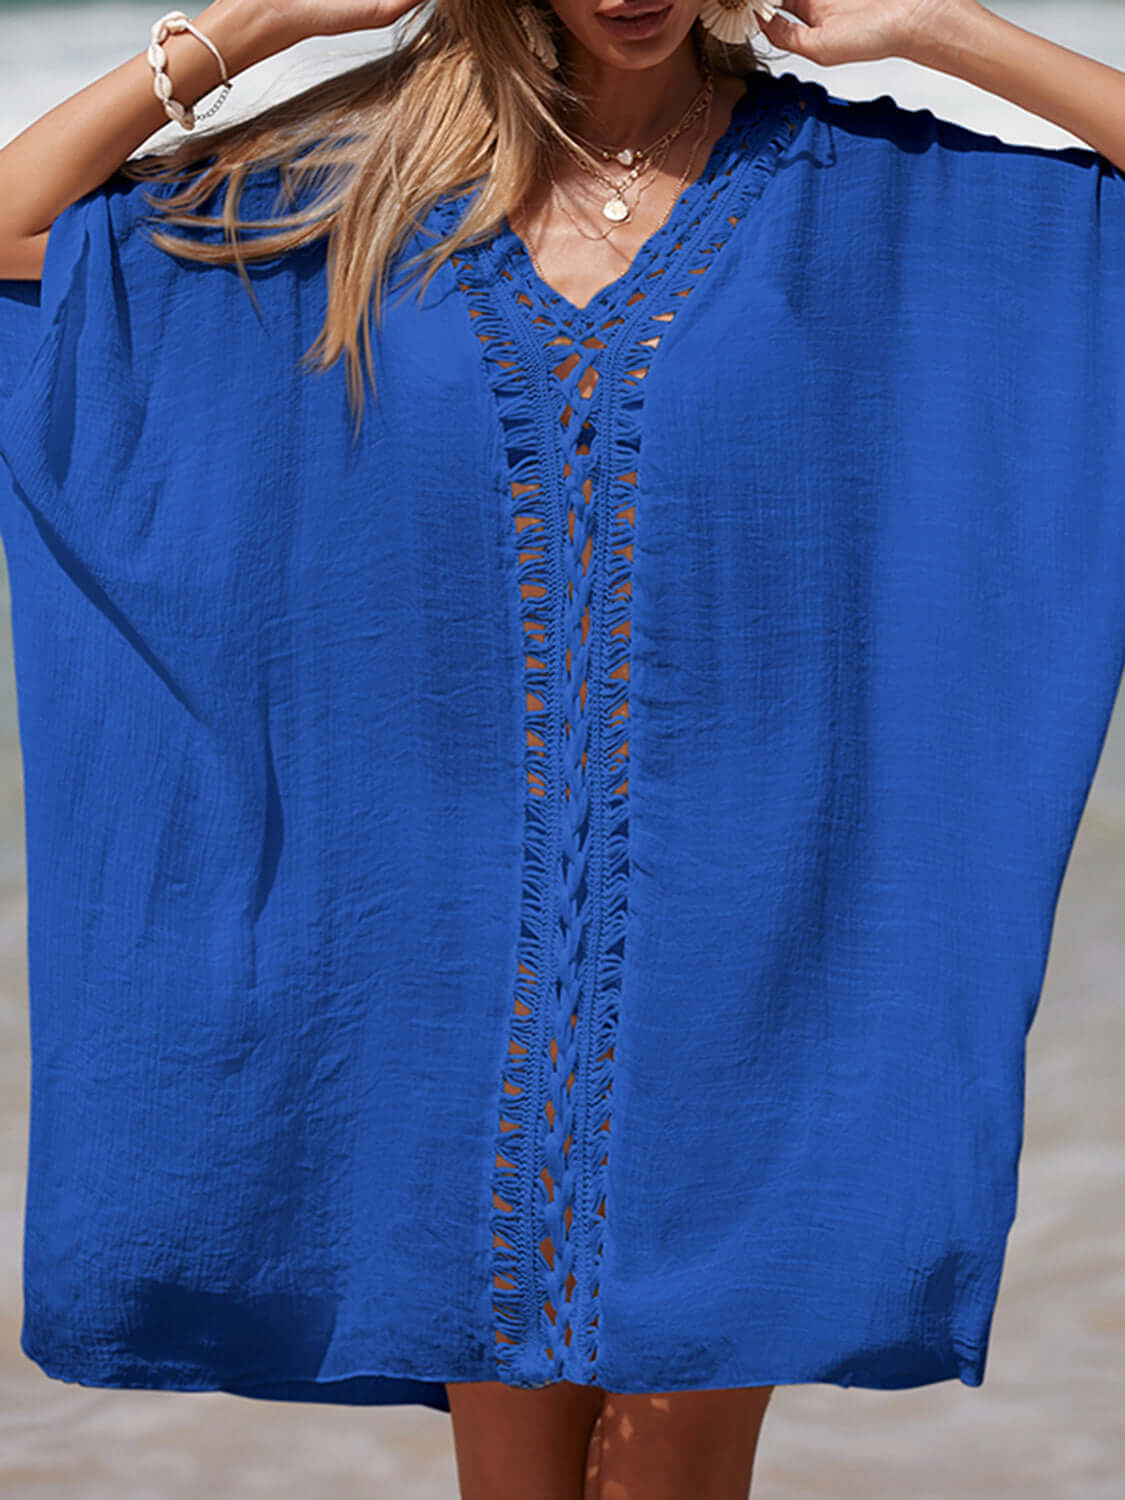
(664, 217)
(604, 234)
(700, 101)
(616, 208)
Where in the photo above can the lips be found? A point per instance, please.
(634, 23)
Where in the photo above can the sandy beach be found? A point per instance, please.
(1047, 1423)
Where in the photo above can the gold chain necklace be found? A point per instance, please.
(650, 172)
(615, 208)
(664, 217)
(626, 155)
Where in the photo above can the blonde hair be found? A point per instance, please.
(461, 100)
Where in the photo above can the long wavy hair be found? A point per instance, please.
(459, 102)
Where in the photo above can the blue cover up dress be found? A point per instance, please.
(557, 888)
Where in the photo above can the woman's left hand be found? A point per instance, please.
(845, 31)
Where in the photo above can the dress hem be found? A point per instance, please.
(366, 1386)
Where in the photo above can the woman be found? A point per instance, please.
(538, 891)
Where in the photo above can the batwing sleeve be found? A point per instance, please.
(1011, 333)
(126, 356)
(71, 361)
(68, 412)
(92, 362)
(150, 442)
(971, 293)
(135, 385)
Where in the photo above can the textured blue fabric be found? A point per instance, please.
(558, 889)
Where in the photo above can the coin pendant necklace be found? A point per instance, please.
(664, 218)
(603, 234)
(637, 158)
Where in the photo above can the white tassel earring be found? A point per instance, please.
(735, 21)
(537, 34)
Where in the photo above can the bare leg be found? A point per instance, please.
(680, 1445)
(511, 1444)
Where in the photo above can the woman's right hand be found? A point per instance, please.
(305, 18)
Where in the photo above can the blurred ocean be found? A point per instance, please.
(1049, 1422)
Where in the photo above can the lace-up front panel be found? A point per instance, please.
(569, 383)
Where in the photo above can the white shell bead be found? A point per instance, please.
(616, 209)
(175, 21)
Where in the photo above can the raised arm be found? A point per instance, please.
(79, 143)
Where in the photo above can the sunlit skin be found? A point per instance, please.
(572, 1442)
(633, 90)
(636, 89)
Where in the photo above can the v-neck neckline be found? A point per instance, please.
(758, 104)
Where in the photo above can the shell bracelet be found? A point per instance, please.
(162, 86)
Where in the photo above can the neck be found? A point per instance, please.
(626, 106)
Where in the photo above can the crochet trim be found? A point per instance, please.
(569, 389)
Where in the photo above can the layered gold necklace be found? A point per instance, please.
(639, 159)
(654, 161)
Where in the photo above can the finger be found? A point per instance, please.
(788, 35)
(802, 9)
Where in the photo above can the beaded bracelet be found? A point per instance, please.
(176, 21)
